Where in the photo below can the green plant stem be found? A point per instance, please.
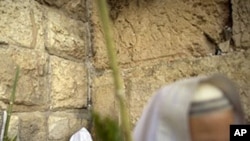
(9, 110)
(119, 89)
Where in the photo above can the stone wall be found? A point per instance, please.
(49, 41)
(64, 67)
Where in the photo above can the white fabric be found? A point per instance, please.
(207, 98)
(165, 117)
(206, 92)
(81, 135)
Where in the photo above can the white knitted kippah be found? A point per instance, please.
(208, 98)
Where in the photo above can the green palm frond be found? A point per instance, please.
(106, 129)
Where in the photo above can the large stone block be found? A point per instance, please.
(14, 127)
(65, 37)
(7, 73)
(142, 82)
(103, 95)
(161, 29)
(68, 84)
(21, 23)
(13, 124)
(241, 23)
(62, 125)
(32, 126)
(32, 84)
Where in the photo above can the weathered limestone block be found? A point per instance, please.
(32, 84)
(32, 126)
(73, 8)
(68, 84)
(142, 82)
(21, 23)
(140, 85)
(241, 23)
(7, 73)
(65, 37)
(14, 127)
(158, 29)
(103, 95)
(62, 125)
(76, 9)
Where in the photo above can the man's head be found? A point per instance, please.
(195, 109)
(211, 113)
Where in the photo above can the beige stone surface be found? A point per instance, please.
(62, 125)
(241, 23)
(65, 37)
(21, 23)
(158, 42)
(75, 9)
(14, 127)
(7, 73)
(32, 126)
(68, 84)
(143, 82)
(103, 95)
(32, 84)
(158, 29)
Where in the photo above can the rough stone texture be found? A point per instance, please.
(21, 24)
(103, 95)
(68, 84)
(31, 89)
(58, 127)
(13, 125)
(56, 3)
(46, 82)
(73, 8)
(14, 128)
(158, 42)
(36, 126)
(7, 73)
(62, 125)
(241, 23)
(144, 81)
(65, 37)
(157, 29)
(32, 126)
(141, 82)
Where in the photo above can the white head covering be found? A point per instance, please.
(81, 135)
(208, 98)
(166, 116)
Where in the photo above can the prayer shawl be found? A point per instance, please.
(166, 117)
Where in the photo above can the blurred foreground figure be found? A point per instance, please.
(195, 109)
(81, 135)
